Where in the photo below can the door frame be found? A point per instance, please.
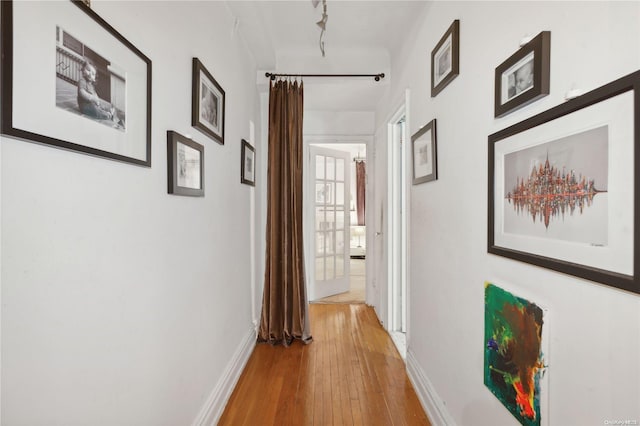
(308, 207)
(398, 266)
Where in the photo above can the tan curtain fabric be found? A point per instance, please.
(360, 190)
(284, 305)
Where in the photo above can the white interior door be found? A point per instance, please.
(330, 192)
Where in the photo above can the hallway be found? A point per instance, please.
(351, 374)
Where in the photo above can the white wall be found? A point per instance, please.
(122, 304)
(342, 123)
(595, 330)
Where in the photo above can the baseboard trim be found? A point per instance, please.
(214, 406)
(431, 402)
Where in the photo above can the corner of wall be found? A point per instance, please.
(432, 403)
(214, 406)
(0, 278)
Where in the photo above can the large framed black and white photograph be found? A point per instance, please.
(563, 187)
(425, 154)
(74, 82)
(185, 165)
(207, 109)
(524, 77)
(248, 165)
(445, 59)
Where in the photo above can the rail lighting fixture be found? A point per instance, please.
(322, 23)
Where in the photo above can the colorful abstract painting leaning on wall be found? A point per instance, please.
(513, 354)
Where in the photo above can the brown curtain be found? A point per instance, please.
(284, 304)
(360, 186)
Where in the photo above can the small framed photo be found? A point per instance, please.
(425, 154)
(445, 59)
(72, 81)
(524, 77)
(207, 108)
(563, 190)
(185, 165)
(248, 165)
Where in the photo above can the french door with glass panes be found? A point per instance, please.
(330, 189)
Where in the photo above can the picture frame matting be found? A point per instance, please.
(78, 52)
(524, 77)
(208, 103)
(425, 153)
(247, 164)
(591, 223)
(185, 165)
(445, 59)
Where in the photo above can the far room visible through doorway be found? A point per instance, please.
(337, 194)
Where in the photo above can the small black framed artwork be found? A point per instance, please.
(425, 154)
(524, 77)
(248, 165)
(185, 165)
(563, 190)
(445, 59)
(207, 108)
(89, 90)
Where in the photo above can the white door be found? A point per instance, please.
(330, 191)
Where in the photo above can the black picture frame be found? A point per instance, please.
(208, 103)
(248, 164)
(102, 104)
(424, 148)
(185, 165)
(524, 77)
(610, 111)
(445, 59)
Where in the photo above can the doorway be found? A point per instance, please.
(336, 231)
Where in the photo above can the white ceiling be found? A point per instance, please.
(361, 38)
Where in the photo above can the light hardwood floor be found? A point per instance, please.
(356, 293)
(351, 374)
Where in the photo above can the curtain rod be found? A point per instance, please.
(273, 76)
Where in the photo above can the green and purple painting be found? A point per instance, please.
(513, 352)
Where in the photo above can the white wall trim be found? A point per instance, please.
(1, 289)
(406, 197)
(395, 241)
(215, 404)
(431, 402)
(262, 163)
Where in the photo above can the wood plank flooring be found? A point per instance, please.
(351, 374)
(356, 293)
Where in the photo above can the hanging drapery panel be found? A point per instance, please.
(360, 190)
(284, 305)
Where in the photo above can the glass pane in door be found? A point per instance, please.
(331, 168)
(340, 169)
(319, 167)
